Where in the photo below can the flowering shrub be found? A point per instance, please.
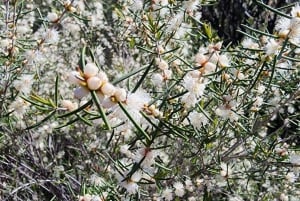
(140, 100)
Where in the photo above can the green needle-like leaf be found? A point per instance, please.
(134, 122)
(100, 109)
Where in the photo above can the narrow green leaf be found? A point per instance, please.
(82, 58)
(272, 9)
(205, 114)
(163, 167)
(257, 76)
(124, 77)
(33, 102)
(145, 49)
(143, 77)
(100, 109)
(273, 72)
(258, 31)
(84, 120)
(77, 110)
(248, 35)
(41, 100)
(56, 93)
(43, 120)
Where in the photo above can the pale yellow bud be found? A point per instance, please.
(108, 89)
(94, 83)
(120, 94)
(90, 70)
(69, 105)
(102, 76)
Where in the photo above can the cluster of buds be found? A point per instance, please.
(91, 79)
(208, 58)
(152, 110)
(68, 6)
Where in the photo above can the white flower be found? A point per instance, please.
(235, 198)
(195, 86)
(189, 100)
(295, 12)
(157, 79)
(192, 198)
(198, 119)
(51, 36)
(261, 89)
(145, 154)
(167, 74)
(137, 100)
(291, 177)
(24, 84)
(124, 149)
(209, 67)
(19, 107)
(33, 56)
(162, 64)
(86, 197)
(52, 17)
(259, 101)
(294, 28)
(191, 5)
(167, 194)
(289, 27)
(179, 189)
(189, 185)
(96, 180)
(175, 22)
(249, 44)
(130, 184)
(272, 47)
(224, 60)
(200, 58)
(226, 111)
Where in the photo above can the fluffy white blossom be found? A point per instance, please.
(51, 36)
(24, 84)
(198, 119)
(167, 194)
(130, 184)
(179, 189)
(272, 47)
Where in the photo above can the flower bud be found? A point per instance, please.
(94, 83)
(120, 94)
(90, 70)
(52, 17)
(69, 105)
(108, 89)
(102, 76)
